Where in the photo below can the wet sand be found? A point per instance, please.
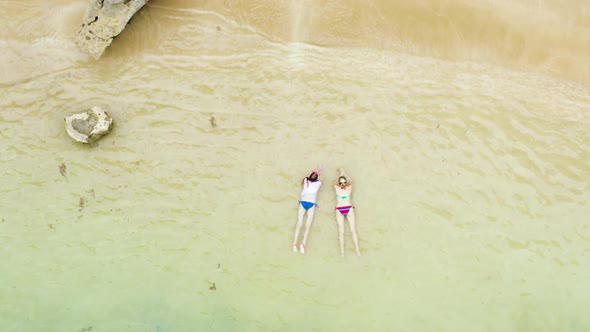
(469, 155)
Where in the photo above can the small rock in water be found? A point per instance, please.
(218, 28)
(63, 169)
(89, 126)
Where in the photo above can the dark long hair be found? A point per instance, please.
(313, 177)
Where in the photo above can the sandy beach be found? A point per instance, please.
(465, 126)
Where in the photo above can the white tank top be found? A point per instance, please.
(310, 190)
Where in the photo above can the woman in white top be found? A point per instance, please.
(307, 204)
(344, 208)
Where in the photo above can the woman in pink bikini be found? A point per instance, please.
(344, 208)
(307, 204)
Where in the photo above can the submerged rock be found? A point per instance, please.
(89, 126)
(103, 21)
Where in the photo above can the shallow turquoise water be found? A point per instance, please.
(471, 188)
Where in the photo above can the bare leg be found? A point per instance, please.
(310, 214)
(340, 222)
(351, 223)
(299, 223)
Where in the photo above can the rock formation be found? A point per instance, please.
(89, 126)
(103, 21)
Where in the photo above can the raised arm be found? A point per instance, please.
(343, 173)
(319, 170)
